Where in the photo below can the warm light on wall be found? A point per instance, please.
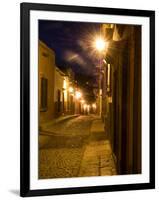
(82, 101)
(65, 87)
(64, 84)
(100, 92)
(108, 78)
(88, 108)
(94, 106)
(85, 106)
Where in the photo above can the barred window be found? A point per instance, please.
(44, 91)
(58, 100)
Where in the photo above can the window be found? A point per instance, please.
(44, 88)
(58, 100)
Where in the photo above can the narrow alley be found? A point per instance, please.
(89, 99)
(75, 147)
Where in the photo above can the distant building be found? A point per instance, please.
(57, 87)
(71, 91)
(58, 92)
(63, 93)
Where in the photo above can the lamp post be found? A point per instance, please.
(100, 45)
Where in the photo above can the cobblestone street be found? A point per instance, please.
(74, 148)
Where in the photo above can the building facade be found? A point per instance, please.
(56, 88)
(121, 99)
(46, 82)
(58, 92)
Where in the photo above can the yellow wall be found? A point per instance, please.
(58, 86)
(46, 70)
(58, 83)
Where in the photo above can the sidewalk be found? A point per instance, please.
(97, 158)
(97, 126)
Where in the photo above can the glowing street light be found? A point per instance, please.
(100, 44)
(78, 95)
(85, 106)
(71, 89)
(82, 101)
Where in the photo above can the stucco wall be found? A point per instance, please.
(46, 70)
(58, 83)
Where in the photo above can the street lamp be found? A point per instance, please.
(71, 89)
(100, 44)
(78, 95)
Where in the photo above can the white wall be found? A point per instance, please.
(9, 99)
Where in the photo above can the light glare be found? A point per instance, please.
(100, 44)
(70, 89)
(78, 95)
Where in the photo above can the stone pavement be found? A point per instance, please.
(62, 147)
(97, 159)
(74, 148)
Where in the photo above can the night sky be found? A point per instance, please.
(72, 44)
